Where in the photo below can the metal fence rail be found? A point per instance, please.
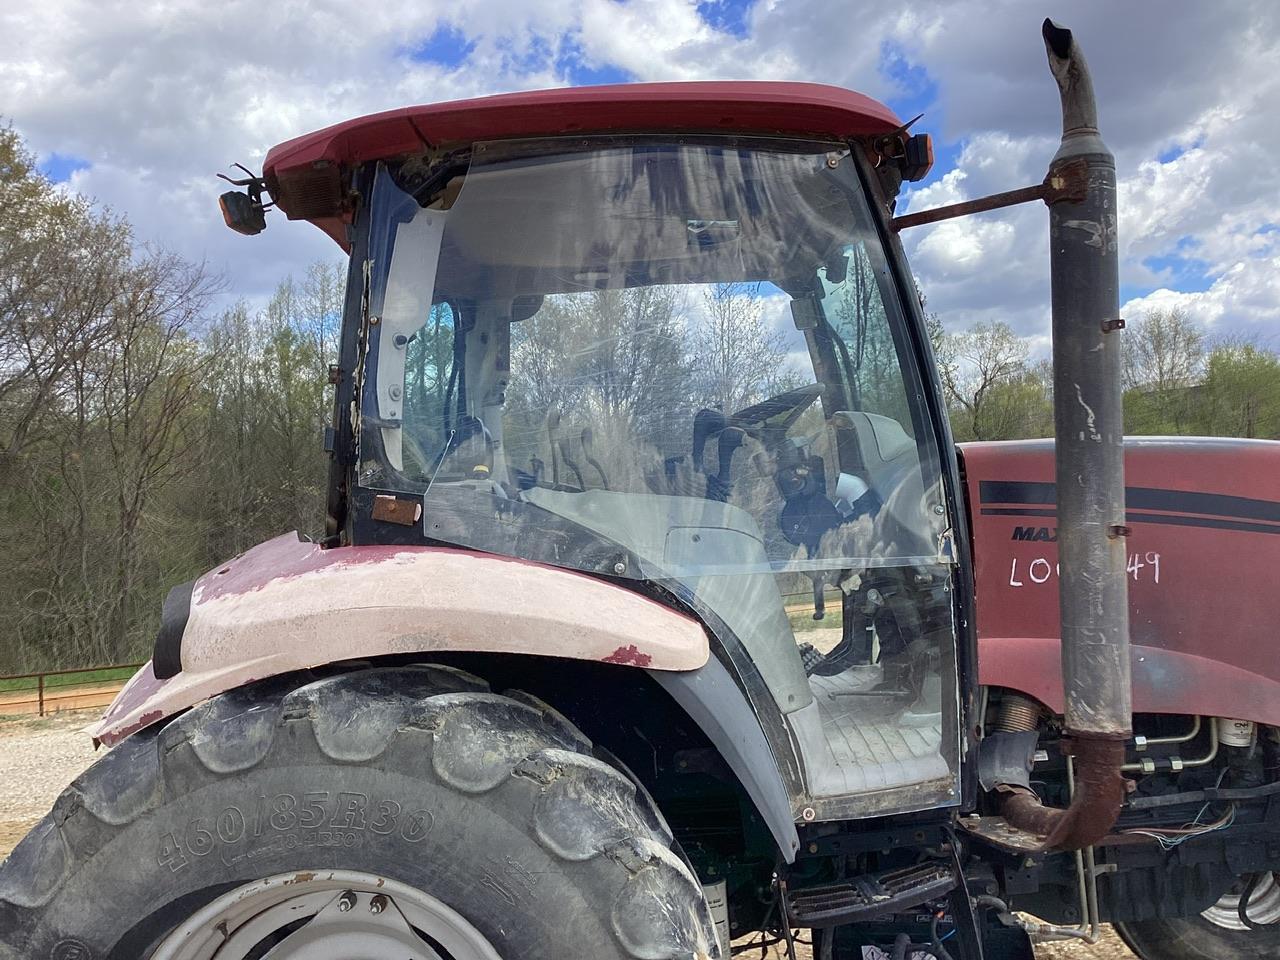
(48, 683)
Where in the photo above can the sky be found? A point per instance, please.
(140, 103)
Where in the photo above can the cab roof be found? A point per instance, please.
(306, 175)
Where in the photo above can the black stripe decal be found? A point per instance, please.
(1201, 522)
(1016, 491)
(1177, 521)
(1140, 498)
(1213, 504)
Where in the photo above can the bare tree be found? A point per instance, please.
(63, 264)
(1163, 359)
(1164, 350)
(974, 364)
(616, 354)
(125, 429)
(139, 445)
(320, 300)
(148, 399)
(873, 355)
(738, 359)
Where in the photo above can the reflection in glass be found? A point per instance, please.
(686, 364)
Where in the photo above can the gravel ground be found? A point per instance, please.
(38, 757)
(1110, 947)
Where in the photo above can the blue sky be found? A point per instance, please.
(1185, 102)
(729, 16)
(447, 46)
(59, 167)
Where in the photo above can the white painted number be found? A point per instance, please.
(1140, 566)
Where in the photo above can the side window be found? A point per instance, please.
(430, 387)
(855, 309)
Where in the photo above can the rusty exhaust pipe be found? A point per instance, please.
(1089, 463)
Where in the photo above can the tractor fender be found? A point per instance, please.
(288, 605)
(718, 706)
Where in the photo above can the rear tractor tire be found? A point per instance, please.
(388, 812)
(1217, 933)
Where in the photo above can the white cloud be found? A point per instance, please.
(1242, 300)
(159, 97)
(992, 266)
(1186, 103)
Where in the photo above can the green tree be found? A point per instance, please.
(92, 488)
(993, 391)
(1240, 396)
(265, 402)
(1163, 357)
(141, 441)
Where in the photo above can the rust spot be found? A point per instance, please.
(112, 737)
(1100, 792)
(629, 654)
(300, 878)
(1069, 183)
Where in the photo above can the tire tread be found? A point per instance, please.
(581, 807)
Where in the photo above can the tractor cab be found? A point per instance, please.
(687, 363)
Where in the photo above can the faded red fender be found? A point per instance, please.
(288, 605)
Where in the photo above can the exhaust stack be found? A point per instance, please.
(1089, 462)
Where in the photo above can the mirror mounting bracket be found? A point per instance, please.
(1065, 182)
(245, 212)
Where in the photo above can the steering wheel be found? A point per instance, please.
(792, 403)
(768, 421)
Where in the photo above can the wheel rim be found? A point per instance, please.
(326, 915)
(1264, 906)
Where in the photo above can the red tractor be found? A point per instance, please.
(622, 370)
(1199, 826)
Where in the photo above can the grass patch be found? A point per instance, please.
(81, 678)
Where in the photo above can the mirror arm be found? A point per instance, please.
(1067, 182)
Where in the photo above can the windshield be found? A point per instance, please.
(589, 332)
(684, 363)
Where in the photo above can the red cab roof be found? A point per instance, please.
(305, 174)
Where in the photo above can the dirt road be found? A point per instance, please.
(38, 757)
(60, 700)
